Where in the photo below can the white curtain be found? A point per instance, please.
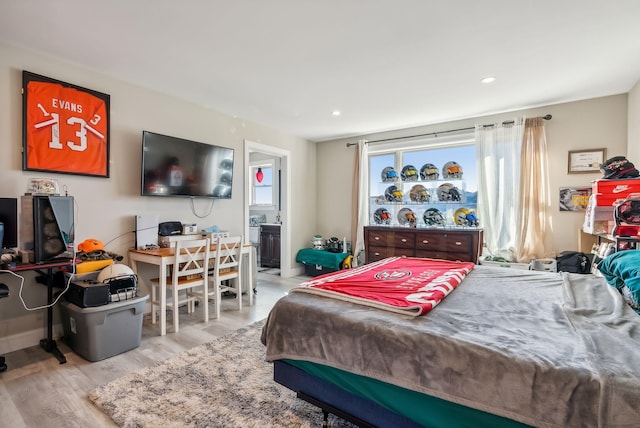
(534, 228)
(360, 208)
(498, 150)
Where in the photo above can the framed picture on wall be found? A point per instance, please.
(65, 128)
(581, 161)
(574, 198)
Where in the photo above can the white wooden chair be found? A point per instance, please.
(225, 273)
(189, 273)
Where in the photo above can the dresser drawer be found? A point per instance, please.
(379, 253)
(403, 240)
(429, 241)
(454, 257)
(392, 239)
(457, 242)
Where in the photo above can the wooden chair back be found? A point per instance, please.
(191, 262)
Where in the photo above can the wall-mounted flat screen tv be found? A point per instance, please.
(177, 167)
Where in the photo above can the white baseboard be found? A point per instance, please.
(294, 271)
(27, 339)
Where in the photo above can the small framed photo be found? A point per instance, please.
(586, 161)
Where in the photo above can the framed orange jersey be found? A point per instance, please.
(65, 127)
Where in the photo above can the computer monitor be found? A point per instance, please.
(9, 218)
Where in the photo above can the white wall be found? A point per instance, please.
(633, 139)
(106, 207)
(595, 123)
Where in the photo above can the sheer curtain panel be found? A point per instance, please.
(498, 153)
(535, 202)
(360, 207)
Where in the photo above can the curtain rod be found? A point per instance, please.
(506, 122)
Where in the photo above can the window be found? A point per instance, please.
(404, 189)
(262, 192)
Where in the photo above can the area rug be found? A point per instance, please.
(224, 383)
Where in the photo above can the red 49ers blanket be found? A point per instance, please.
(411, 286)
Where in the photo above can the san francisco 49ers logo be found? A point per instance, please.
(392, 275)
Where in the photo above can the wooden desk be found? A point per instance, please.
(163, 258)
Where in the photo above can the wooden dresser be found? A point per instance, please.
(448, 244)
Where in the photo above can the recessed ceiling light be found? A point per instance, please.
(336, 112)
(489, 79)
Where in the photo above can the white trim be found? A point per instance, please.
(285, 215)
(26, 339)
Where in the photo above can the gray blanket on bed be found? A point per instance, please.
(546, 349)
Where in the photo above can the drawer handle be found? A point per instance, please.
(425, 241)
(404, 240)
(377, 238)
(376, 254)
(458, 243)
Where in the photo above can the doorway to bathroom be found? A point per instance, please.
(267, 207)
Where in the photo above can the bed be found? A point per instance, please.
(505, 348)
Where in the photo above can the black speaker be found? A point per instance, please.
(47, 226)
(170, 228)
(88, 294)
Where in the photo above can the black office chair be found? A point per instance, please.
(4, 292)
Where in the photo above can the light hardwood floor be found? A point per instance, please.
(37, 391)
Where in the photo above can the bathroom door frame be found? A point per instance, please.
(285, 192)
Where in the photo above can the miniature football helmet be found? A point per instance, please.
(409, 173)
(472, 219)
(429, 172)
(452, 170)
(407, 216)
(419, 193)
(465, 217)
(447, 192)
(382, 216)
(460, 216)
(433, 217)
(317, 243)
(393, 194)
(389, 174)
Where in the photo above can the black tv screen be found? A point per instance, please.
(177, 167)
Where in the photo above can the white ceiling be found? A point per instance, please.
(385, 64)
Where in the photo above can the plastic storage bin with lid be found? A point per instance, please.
(104, 331)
